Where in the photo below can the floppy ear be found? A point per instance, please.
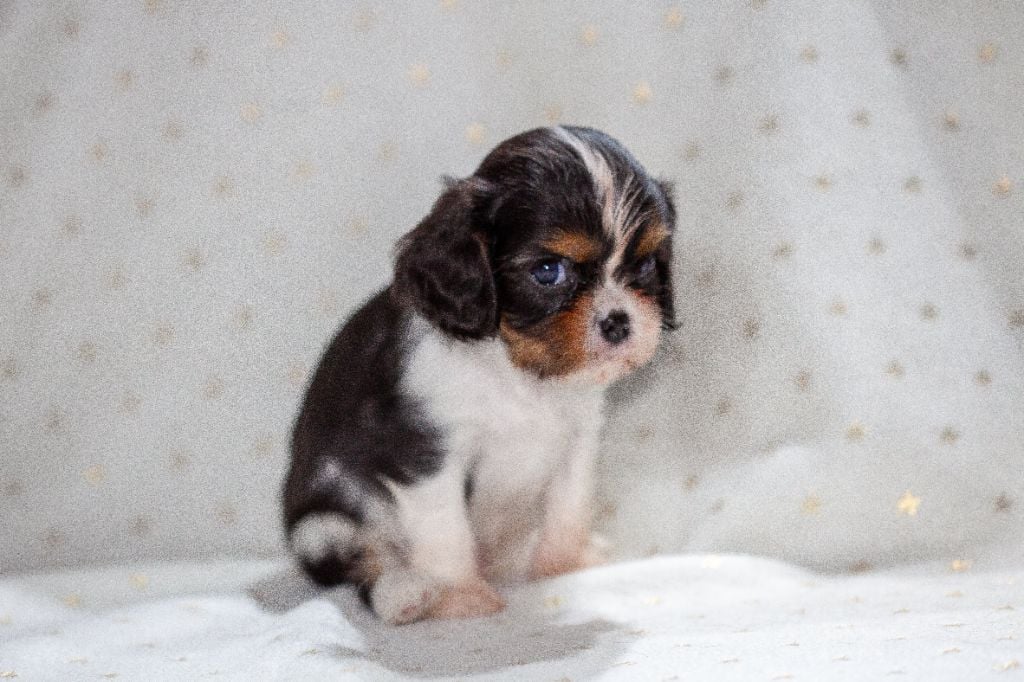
(664, 261)
(442, 267)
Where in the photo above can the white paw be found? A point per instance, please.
(402, 596)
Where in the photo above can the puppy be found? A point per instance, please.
(447, 440)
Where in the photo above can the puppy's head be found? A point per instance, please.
(559, 243)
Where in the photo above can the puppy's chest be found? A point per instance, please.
(504, 431)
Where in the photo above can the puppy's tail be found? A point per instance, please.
(327, 545)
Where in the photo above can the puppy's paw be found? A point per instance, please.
(404, 596)
(467, 600)
(553, 559)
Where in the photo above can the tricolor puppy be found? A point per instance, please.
(447, 440)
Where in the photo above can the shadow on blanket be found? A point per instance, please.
(526, 632)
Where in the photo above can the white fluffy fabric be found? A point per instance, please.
(699, 617)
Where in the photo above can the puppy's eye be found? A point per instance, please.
(549, 272)
(645, 268)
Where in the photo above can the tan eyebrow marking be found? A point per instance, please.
(577, 247)
(651, 239)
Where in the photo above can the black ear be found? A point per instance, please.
(664, 260)
(442, 267)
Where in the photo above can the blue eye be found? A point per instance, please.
(645, 267)
(549, 272)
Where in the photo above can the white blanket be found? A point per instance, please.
(684, 617)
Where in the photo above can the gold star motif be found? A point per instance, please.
(365, 20)
(17, 176)
(87, 351)
(823, 182)
(674, 18)
(504, 58)
(11, 370)
(139, 581)
(71, 28)
(296, 373)
(949, 435)
(280, 38)
(179, 460)
(449, 5)
(855, 432)
(929, 312)
(898, 57)
(72, 601)
(116, 279)
(912, 184)
(589, 35)
(275, 243)
(94, 475)
(809, 54)
(895, 370)
(724, 74)
(144, 206)
(42, 297)
(862, 118)
(1003, 503)
(251, 112)
(838, 308)
(803, 380)
(154, 6)
(951, 121)
(227, 514)
(130, 403)
(173, 130)
(876, 247)
(243, 316)
(194, 260)
(98, 151)
(769, 125)
(987, 52)
(1003, 186)
(263, 447)
(692, 151)
(475, 133)
(959, 565)
(125, 80)
(983, 378)
(734, 200)
(1017, 318)
(691, 482)
(723, 407)
(782, 251)
(751, 329)
(553, 114)
(44, 103)
(72, 226)
(200, 56)
(811, 505)
(304, 170)
(54, 420)
(706, 276)
(224, 187)
(419, 74)
(163, 335)
(214, 388)
(908, 504)
(968, 251)
(642, 92)
(333, 95)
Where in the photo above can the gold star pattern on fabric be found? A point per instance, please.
(553, 114)
(144, 206)
(949, 435)
(898, 57)
(951, 121)
(476, 133)
(280, 38)
(1003, 503)
(365, 20)
(724, 74)
(782, 251)
(908, 504)
(723, 407)
(838, 308)
(912, 185)
(296, 375)
(982, 378)
(809, 54)
(895, 370)
(87, 351)
(139, 581)
(823, 182)
(1016, 318)
(751, 329)
(333, 94)
(803, 380)
(674, 18)
(200, 56)
(125, 80)
(304, 170)
(194, 260)
(642, 92)
(419, 74)
(275, 243)
(967, 251)
(861, 118)
(769, 125)
(173, 130)
(214, 388)
(929, 312)
(589, 35)
(251, 112)
(72, 226)
(224, 187)
(876, 247)
(94, 475)
(987, 53)
(960, 565)
(1003, 186)
(811, 505)
(856, 432)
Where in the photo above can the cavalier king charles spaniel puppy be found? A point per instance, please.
(446, 442)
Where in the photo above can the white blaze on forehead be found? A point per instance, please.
(617, 203)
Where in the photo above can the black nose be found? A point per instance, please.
(615, 327)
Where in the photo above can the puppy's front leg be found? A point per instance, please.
(438, 575)
(565, 543)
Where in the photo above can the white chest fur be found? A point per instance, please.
(506, 431)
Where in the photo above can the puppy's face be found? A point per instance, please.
(560, 243)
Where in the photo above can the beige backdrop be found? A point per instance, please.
(193, 195)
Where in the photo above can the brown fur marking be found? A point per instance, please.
(575, 246)
(554, 347)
